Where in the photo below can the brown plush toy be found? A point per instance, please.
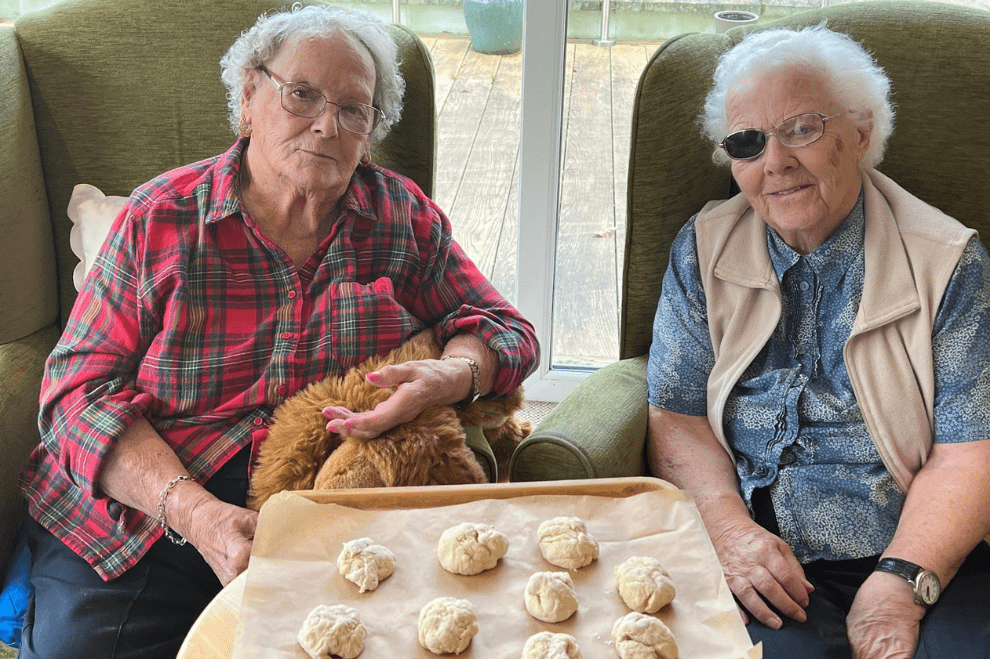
(301, 454)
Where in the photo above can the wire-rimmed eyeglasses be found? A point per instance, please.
(799, 130)
(304, 101)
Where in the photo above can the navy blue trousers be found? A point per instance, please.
(144, 613)
(957, 627)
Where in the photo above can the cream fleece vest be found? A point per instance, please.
(911, 251)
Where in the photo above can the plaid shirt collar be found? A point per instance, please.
(357, 198)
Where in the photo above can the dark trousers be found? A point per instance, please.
(146, 612)
(957, 627)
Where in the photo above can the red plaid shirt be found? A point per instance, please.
(192, 318)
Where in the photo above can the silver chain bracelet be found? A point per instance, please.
(177, 539)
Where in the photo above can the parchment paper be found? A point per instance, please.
(293, 569)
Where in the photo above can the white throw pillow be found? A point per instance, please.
(92, 213)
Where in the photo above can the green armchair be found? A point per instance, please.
(112, 93)
(938, 58)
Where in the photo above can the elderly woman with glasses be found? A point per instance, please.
(226, 286)
(820, 370)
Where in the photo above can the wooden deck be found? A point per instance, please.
(477, 181)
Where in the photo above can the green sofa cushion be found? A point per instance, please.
(21, 363)
(478, 443)
(570, 444)
(28, 294)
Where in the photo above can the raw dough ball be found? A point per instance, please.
(365, 563)
(643, 584)
(446, 625)
(547, 645)
(639, 636)
(332, 631)
(550, 596)
(471, 548)
(565, 542)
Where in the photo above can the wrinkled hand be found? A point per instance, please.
(884, 620)
(419, 384)
(221, 532)
(757, 565)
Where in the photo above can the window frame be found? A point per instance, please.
(541, 118)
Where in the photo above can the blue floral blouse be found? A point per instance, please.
(792, 419)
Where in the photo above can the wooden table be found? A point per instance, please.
(212, 635)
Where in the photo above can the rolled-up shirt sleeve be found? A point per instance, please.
(88, 395)
(681, 354)
(456, 298)
(961, 351)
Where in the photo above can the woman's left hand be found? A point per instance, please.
(419, 384)
(884, 620)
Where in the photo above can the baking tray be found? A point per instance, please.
(213, 635)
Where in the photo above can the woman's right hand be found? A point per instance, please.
(759, 568)
(221, 532)
(138, 468)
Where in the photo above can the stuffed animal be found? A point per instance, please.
(301, 454)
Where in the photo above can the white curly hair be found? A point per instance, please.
(854, 79)
(258, 44)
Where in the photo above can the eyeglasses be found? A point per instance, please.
(303, 101)
(800, 130)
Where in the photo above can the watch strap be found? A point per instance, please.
(900, 567)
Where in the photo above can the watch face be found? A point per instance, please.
(928, 587)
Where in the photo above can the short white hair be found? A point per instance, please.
(258, 44)
(854, 79)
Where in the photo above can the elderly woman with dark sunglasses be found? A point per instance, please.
(820, 371)
(226, 286)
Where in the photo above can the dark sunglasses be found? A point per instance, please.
(800, 130)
